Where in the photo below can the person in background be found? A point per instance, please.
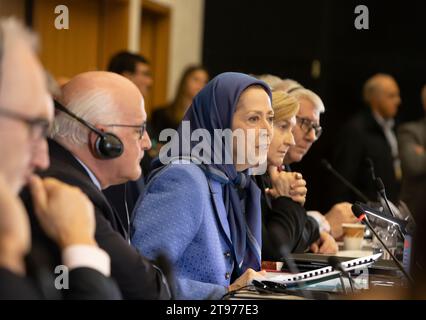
(285, 223)
(370, 135)
(306, 132)
(211, 208)
(64, 213)
(193, 79)
(134, 67)
(412, 151)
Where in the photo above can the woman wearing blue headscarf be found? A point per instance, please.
(204, 215)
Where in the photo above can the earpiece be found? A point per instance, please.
(107, 145)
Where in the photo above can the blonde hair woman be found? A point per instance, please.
(284, 220)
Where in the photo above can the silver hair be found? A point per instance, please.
(289, 85)
(276, 83)
(96, 106)
(303, 93)
(271, 80)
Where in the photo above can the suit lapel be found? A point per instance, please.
(66, 168)
(220, 211)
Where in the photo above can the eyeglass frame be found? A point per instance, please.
(142, 127)
(316, 127)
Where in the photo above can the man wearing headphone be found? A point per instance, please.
(98, 140)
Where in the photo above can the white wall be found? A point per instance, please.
(187, 19)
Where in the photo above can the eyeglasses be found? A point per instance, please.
(140, 128)
(38, 127)
(307, 125)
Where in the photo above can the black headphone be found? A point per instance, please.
(107, 145)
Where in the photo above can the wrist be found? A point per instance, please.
(12, 262)
(66, 242)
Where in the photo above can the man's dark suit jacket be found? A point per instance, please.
(363, 138)
(84, 284)
(136, 276)
(14, 287)
(39, 283)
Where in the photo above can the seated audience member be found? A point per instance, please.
(285, 223)
(99, 139)
(193, 79)
(370, 135)
(65, 214)
(202, 214)
(306, 132)
(136, 68)
(412, 151)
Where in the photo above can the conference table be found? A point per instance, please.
(382, 274)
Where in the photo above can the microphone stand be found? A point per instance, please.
(357, 210)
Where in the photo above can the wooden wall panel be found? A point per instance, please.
(68, 52)
(154, 45)
(114, 29)
(12, 8)
(97, 29)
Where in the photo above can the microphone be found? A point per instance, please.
(343, 180)
(380, 187)
(359, 213)
(284, 251)
(337, 265)
(370, 167)
(401, 224)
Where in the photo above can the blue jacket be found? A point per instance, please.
(176, 216)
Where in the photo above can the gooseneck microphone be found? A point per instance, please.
(284, 251)
(359, 213)
(380, 187)
(402, 225)
(343, 180)
(337, 265)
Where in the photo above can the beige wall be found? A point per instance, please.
(186, 37)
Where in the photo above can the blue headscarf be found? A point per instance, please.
(214, 108)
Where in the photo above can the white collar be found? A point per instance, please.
(90, 173)
(382, 122)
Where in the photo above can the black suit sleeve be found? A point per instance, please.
(14, 287)
(135, 275)
(89, 284)
(297, 230)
